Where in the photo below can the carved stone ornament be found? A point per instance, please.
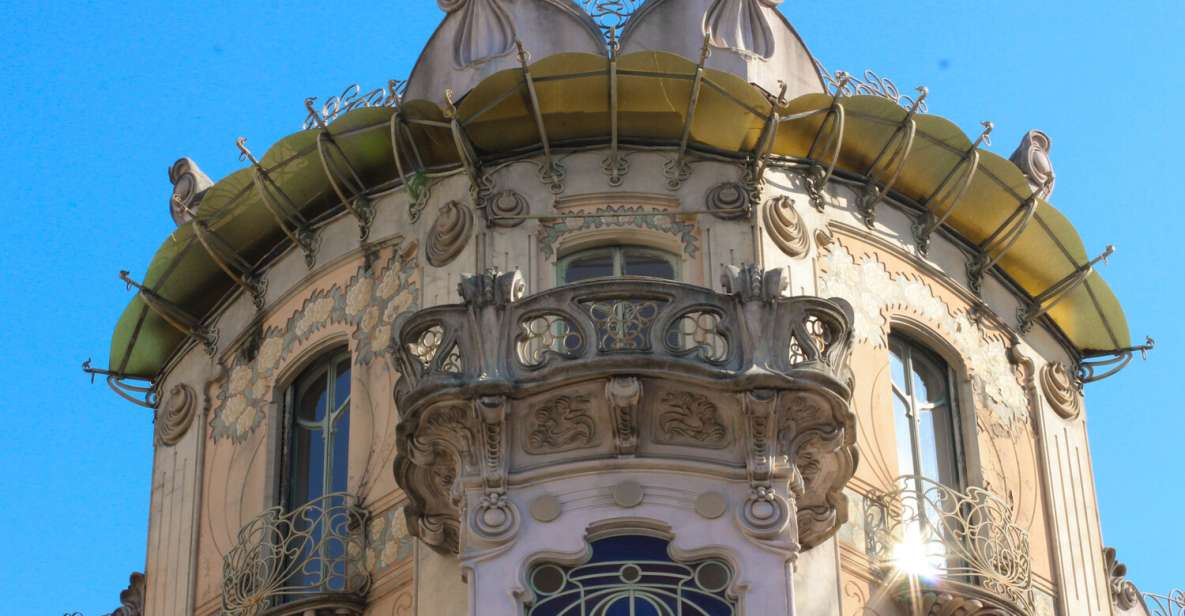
(1060, 390)
(175, 416)
(623, 394)
(741, 25)
(751, 283)
(505, 208)
(941, 603)
(131, 599)
(689, 418)
(561, 424)
(1032, 156)
(492, 288)
(1124, 593)
(728, 201)
(449, 234)
(485, 30)
(785, 226)
(189, 184)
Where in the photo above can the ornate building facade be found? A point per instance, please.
(623, 308)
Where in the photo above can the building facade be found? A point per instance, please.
(623, 308)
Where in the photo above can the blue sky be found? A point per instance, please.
(102, 98)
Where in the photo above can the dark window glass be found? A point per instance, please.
(618, 261)
(924, 416)
(648, 263)
(595, 265)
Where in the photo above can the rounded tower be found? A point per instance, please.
(622, 308)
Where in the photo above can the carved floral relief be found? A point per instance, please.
(561, 424)
(618, 216)
(690, 419)
(370, 303)
(875, 293)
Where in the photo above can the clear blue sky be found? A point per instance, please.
(102, 98)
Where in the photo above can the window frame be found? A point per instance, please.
(951, 457)
(617, 252)
(323, 359)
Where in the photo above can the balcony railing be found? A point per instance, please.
(311, 553)
(1172, 604)
(951, 540)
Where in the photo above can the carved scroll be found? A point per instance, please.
(1060, 390)
(485, 32)
(741, 25)
(449, 233)
(174, 418)
(785, 226)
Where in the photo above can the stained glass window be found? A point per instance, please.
(632, 575)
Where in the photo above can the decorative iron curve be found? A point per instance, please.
(315, 549)
(871, 85)
(1172, 604)
(981, 544)
(611, 15)
(350, 99)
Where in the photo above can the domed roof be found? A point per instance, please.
(748, 38)
(477, 39)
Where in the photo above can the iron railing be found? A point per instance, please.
(284, 556)
(934, 532)
(1172, 604)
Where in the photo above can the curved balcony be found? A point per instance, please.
(307, 561)
(751, 381)
(961, 547)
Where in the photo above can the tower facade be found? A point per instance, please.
(618, 309)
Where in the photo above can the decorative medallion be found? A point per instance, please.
(505, 208)
(485, 32)
(561, 424)
(449, 234)
(728, 201)
(691, 419)
(786, 227)
(174, 418)
(740, 25)
(1060, 390)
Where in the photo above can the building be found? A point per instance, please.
(618, 309)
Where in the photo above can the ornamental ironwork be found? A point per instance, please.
(350, 99)
(632, 575)
(314, 550)
(1172, 604)
(842, 83)
(929, 530)
(611, 15)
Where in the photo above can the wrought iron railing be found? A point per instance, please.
(284, 556)
(934, 532)
(1172, 604)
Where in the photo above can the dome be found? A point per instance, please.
(477, 39)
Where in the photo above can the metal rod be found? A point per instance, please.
(1116, 360)
(178, 318)
(229, 261)
(992, 249)
(1047, 299)
(614, 157)
(693, 101)
(533, 99)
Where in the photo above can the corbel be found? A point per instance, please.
(992, 249)
(624, 394)
(551, 174)
(944, 201)
(234, 266)
(819, 174)
(359, 204)
(678, 170)
(174, 315)
(286, 213)
(903, 139)
(495, 518)
(1028, 314)
(765, 514)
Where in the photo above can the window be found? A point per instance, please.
(617, 261)
(924, 413)
(316, 459)
(632, 575)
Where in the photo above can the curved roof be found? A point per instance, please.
(653, 92)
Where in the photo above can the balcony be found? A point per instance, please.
(752, 381)
(308, 561)
(960, 549)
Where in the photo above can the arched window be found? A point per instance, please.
(924, 413)
(315, 462)
(632, 575)
(610, 261)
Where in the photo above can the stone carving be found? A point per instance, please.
(623, 325)
(485, 32)
(623, 394)
(875, 292)
(507, 203)
(450, 232)
(765, 514)
(785, 226)
(492, 288)
(1032, 156)
(371, 303)
(443, 448)
(561, 424)
(495, 519)
(691, 419)
(545, 335)
(698, 332)
(1060, 389)
(189, 185)
(728, 201)
(618, 216)
(173, 420)
(1124, 593)
(751, 283)
(741, 25)
(131, 599)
